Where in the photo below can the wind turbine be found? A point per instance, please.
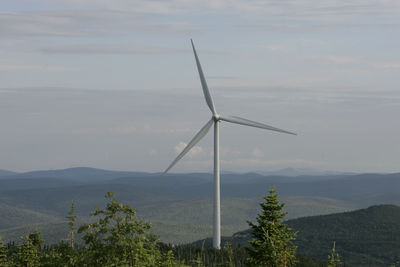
(215, 119)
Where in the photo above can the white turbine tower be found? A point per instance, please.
(215, 119)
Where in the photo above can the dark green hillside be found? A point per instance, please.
(175, 233)
(57, 201)
(181, 203)
(11, 216)
(367, 237)
(176, 212)
(176, 220)
(52, 233)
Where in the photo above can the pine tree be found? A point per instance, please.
(28, 253)
(334, 258)
(228, 255)
(3, 254)
(272, 244)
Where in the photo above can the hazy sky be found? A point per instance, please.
(113, 84)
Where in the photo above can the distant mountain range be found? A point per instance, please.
(6, 173)
(98, 173)
(76, 173)
(179, 205)
(301, 172)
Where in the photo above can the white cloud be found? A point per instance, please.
(27, 67)
(153, 152)
(388, 65)
(337, 59)
(257, 153)
(85, 23)
(123, 130)
(99, 18)
(299, 8)
(348, 60)
(112, 49)
(274, 47)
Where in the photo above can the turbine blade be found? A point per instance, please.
(206, 92)
(191, 144)
(242, 121)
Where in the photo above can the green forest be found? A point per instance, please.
(117, 237)
(174, 216)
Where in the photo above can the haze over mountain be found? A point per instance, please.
(301, 172)
(180, 205)
(6, 173)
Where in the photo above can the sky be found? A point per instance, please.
(114, 85)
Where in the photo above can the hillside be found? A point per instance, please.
(182, 203)
(175, 220)
(366, 237)
(11, 216)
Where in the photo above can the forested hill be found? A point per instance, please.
(178, 205)
(366, 237)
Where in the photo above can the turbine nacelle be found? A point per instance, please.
(216, 117)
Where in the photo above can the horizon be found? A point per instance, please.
(302, 171)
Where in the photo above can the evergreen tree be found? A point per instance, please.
(61, 255)
(3, 254)
(272, 244)
(28, 253)
(334, 258)
(228, 255)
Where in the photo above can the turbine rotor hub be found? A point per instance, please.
(216, 117)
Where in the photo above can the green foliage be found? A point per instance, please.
(334, 258)
(119, 238)
(198, 260)
(368, 237)
(3, 254)
(175, 218)
(303, 261)
(116, 237)
(62, 255)
(228, 255)
(272, 243)
(28, 253)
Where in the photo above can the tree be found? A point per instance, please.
(3, 254)
(272, 244)
(119, 238)
(228, 255)
(28, 253)
(334, 258)
(71, 222)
